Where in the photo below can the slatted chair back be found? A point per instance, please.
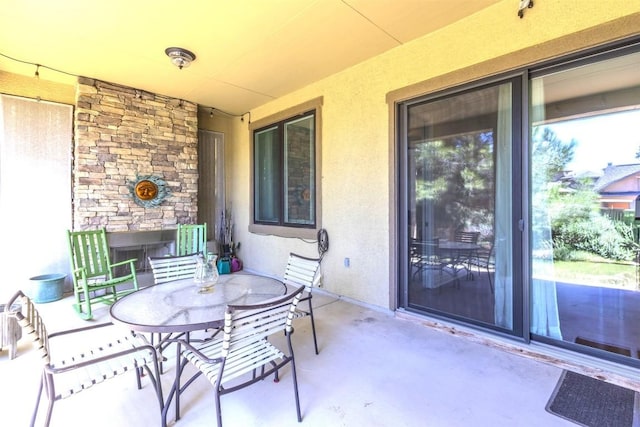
(466, 236)
(246, 327)
(89, 253)
(169, 268)
(243, 349)
(466, 259)
(191, 239)
(303, 271)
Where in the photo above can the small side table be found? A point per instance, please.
(10, 330)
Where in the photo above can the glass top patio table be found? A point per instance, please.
(458, 246)
(179, 306)
(457, 254)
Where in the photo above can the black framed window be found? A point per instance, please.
(284, 172)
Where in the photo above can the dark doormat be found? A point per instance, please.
(590, 402)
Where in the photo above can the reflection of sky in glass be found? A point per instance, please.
(611, 138)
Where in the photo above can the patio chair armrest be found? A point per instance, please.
(128, 261)
(306, 297)
(78, 330)
(197, 352)
(70, 367)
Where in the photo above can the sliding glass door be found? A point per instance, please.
(520, 204)
(459, 170)
(585, 193)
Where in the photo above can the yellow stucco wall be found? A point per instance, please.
(357, 144)
(357, 147)
(31, 87)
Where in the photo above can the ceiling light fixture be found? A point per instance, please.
(180, 57)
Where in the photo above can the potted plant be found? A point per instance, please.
(228, 261)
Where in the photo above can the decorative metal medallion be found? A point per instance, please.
(148, 191)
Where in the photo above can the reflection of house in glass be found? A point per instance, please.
(619, 186)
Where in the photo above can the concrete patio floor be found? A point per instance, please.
(373, 370)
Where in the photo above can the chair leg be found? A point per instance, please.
(313, 327)
(155, 379)
(85, 314)
(179, 369)
(139, 374)
(35, 410)
(490, 282)
(87, 302)
(49, 412)
(294, 378)
(48, 383)
(175, 390)
(295, 390)
(159, 347)
(218, 407)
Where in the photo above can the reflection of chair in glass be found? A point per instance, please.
(301, 271)
(466, 258)
(191, 239)
(95, 278)
(124, 352)
(243, 355)
(424, 256)
(168, 268)
(466, 236)
(485, 259)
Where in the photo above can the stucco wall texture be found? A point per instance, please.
(359, 184)
(358, 160)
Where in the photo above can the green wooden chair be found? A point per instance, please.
(191, 239)
(94, 276)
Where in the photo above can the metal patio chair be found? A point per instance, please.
(95, 278)
(424, 256)
(243, 354)
(169, 268)
(80, 370)
(467, 259)
(486, 260)
(191, 239)
(302, 271)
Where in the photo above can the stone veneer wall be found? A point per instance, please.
(120, 133)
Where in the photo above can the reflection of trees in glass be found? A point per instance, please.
(565, 213)
(549, 157)
(549, 154)
(455, 174)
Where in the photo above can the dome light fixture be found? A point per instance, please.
(180, 57)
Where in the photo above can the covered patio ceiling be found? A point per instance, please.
(248, 52)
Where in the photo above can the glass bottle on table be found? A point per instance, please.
(206, 274)
(211, 268)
